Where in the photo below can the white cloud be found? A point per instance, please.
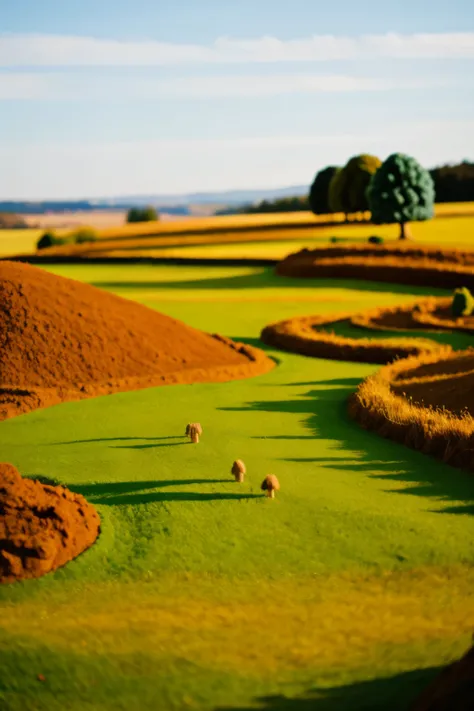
(174, 166)
(18, 50)
(80, 87)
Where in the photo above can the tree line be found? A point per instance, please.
(336, 189)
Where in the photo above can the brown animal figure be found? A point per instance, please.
(194, 434)
(189, 429)
(270, 484)
(238, 470)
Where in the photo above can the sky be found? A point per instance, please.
(102, 98)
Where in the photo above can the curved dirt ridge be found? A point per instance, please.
(63, 340)
(42, 527)
(395, 263)
(423, 397)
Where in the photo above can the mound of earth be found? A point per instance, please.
(64, 340)
(42, 527)
(396, 263)
(452, 690)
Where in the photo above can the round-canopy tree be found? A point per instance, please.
(401, 191)
(142, 214)
(335, 193)
(358, 172)
(319, 191)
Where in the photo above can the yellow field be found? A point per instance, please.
(273, 243)
(18, 241)
(248, 235)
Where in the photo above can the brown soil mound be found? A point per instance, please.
(42, 527)
(439, 315)
(64, 340)
(452, 690)
(454, 393)
(398, 318)
(424, 266)
(458, 363)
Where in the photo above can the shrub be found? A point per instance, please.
(319, 191)
(84, 234)
(49, 239)
(375, 239)
(400, 191)
(142, 214)
(335, 240)
(463, 303)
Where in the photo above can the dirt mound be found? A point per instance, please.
(423, 266)
(456, 364)
(63, 340)
(452, 690)
(455, 393)
(42, 527)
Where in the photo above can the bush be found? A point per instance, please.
(375, 239)
(49, 239)
(400, 191)
(463, 303)
(142, 214)
(335, 240)
(319, 191)
(83, 235)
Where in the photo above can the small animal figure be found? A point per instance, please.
(193, 427)
(194, 434)
(270, 484)
(238, 470)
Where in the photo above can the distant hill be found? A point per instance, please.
(173, 204)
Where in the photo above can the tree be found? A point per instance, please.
(49, 239)
(319, 191)
(335, 190)
(401, 191)
(358, 172)
(347, 189)
(142, 214)
(84, 234)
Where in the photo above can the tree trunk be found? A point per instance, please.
(405, 232)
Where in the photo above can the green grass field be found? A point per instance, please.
(347, 591)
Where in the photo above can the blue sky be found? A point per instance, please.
(102, 98)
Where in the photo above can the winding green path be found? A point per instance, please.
(344, 592)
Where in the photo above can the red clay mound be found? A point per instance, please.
(452, 690)
(64, 340)
(41, 527)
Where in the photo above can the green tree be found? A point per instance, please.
(49, 239)
(335, 192)
(319, 191)
(142, 214)
(84, 234)
(358, 172)
(401, 191)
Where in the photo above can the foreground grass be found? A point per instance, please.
(200, 593)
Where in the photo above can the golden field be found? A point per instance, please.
(247, 235)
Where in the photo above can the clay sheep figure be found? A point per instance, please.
(238, 470)
(270, 484)
(194, 431)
